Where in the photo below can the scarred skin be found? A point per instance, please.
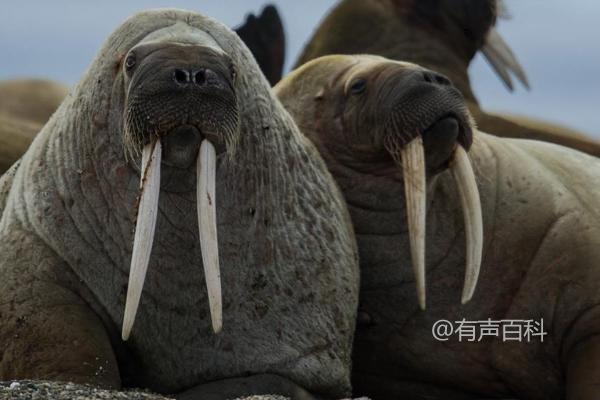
(286, 246)
(442, 35)
(541, 217)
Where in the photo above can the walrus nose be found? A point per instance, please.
(198, 77)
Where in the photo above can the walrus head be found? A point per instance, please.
(393, 119)
(181, 93)
(180, 112)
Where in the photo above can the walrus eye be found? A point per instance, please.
(358, 86)
(130, 62)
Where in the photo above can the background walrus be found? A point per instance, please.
(25, 106)
(394, 136)
(442, 35)
(231, 156)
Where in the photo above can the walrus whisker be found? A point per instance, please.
(413, 169)
(144, 232)
(462, 171)
(207, 225)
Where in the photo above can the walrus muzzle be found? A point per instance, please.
(429, 117)
(180, 106)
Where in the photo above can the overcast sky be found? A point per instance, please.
(557, 42)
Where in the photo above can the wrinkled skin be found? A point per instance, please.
(67, 216)
(25, 106)
(442, 35)
(541, 220)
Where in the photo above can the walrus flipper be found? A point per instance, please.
(265, 37)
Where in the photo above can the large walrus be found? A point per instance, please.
(174, 109)
(395, 136)
(442, 35)
(25, 106)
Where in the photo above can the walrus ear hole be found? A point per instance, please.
(358, 86)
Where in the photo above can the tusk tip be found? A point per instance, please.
(466, 297)
(124, 335)
(422, 305)
(217, 329)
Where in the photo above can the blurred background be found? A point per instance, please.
(556, 41)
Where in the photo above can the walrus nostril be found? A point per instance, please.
(199, 77)
(181, 76)
(434, 77)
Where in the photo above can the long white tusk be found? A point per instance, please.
(207, 223)
(144, 231)
(413, 168)
(471, 206)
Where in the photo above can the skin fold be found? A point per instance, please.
(25, 106)
(288, 262)
(541, 220)
(442, 35)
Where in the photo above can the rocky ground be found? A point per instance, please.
(29, 390)
(38, 390)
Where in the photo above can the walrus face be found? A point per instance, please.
(402, 122)
(181, 93)
(382, 106)
(180, 112)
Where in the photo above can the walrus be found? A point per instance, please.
(171, 229)
(426, 189)
(25, 106)
(442, 35)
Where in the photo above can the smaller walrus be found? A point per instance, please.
(444, 36)
(395, 136)
(172, 202)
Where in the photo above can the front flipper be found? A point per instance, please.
(240, 387)
(47, 331)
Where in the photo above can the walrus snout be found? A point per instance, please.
(418, 100)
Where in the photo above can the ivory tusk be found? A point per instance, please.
(413, 168)
(207, 224)
(144, 232)
(471, 206)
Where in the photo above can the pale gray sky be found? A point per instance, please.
(556, 41)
